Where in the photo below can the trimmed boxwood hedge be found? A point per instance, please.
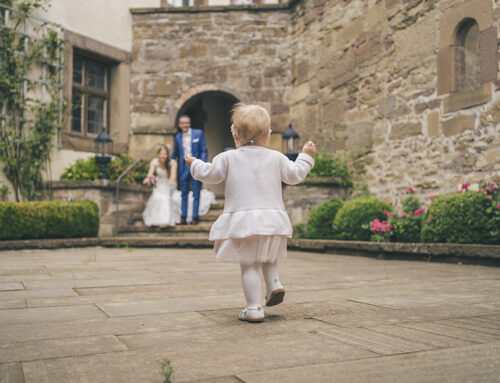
(321, 219)
(460, 218)
(352, 222)
(51, 219)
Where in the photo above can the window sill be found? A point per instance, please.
(467, 98)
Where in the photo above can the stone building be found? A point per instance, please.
(409, 85)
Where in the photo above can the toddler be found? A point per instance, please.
(254, 226)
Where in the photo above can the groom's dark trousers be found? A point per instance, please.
(198, 150)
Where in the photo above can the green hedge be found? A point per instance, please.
(53, 219)
(353, 219)
(460, 218)
(321, 219)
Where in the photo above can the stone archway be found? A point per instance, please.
(210, 112)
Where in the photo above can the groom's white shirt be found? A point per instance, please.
(186, 142)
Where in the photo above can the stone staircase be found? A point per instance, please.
(135, 226)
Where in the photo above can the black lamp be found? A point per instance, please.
(290, 142)
(103, 150)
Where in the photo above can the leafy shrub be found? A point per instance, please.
(82, 170)
(321, 219)
(299, 231)
(411, 204)
(460, 218)
(353, 219)
(406, 228)
(327, 166)
(90, 170)
(120, 163)
(53, 219)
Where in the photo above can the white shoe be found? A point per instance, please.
(255, 314)
(275, 293)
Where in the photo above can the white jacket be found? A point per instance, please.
(253, 195)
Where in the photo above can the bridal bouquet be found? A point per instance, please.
(151, 182)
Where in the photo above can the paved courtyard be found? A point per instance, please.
(111, 315)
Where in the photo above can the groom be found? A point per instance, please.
(188, 142)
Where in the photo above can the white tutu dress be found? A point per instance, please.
(164, 206)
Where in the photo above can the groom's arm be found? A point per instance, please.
(175, 153)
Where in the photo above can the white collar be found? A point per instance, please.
(188, 133)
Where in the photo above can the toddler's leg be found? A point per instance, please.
(252, 285)
(275, 291)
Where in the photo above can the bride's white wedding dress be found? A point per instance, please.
(164, 206)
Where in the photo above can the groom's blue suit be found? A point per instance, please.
(198, 150)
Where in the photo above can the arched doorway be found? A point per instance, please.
(210, 112)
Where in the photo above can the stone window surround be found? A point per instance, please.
(482, 13)
(114, 58)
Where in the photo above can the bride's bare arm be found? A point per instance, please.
(173, 172)
(151, 172)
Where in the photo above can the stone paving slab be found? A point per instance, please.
(11, 373)
(50, 314)
(105, 315)
(57, 348)
(447, 329)
(477, 363)
(25, 332)
(11, 286)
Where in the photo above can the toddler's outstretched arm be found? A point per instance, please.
(292, 172)
(210, 173)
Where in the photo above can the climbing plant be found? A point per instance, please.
(30, 95)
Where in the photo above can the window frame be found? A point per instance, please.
(87, 91)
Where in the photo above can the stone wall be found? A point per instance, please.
(301, 199)
(365, 75)
(356, 76)
(182, 52)
(132, 200)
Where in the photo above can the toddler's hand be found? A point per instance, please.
(189, 160)
(309, 148)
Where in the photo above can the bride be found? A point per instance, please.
(164, 205)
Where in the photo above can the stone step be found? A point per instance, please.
(202, 227)
(166, 235)
(159, 241)
(210, 217)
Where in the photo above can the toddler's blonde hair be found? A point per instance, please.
(251, 123)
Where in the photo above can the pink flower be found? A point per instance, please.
(385, 212)
(403, 215)
(465, 186)
(418, 212)
(432, 197)
(410, 190)
(489, 198)
(390, 215)
(384, 222)
(498, 206)
(389, 227)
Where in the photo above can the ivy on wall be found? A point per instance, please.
(30, 96)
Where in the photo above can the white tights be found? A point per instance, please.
(252, 285)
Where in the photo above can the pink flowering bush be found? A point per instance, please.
(381, 230)
(470, 216)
